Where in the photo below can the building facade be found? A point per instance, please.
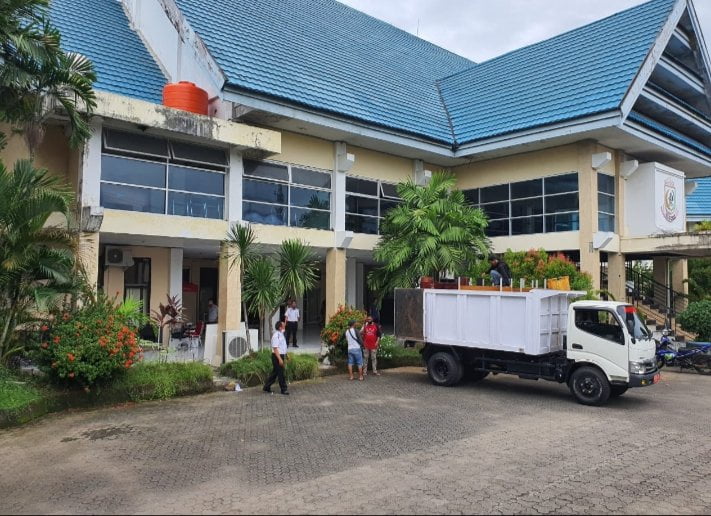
(580, 144)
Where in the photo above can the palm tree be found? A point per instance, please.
(36, 261)
(241, 251)
(37, 76)
(434, 230)
(262, 290)
(297, 268)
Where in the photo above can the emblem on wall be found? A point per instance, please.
(670, 210)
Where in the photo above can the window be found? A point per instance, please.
(601, 323)
(367, 202)
(285, 195)
(545, 205)
(606, 202)
(155, 175)
(137, 282)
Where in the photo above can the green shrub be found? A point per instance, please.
(254, 368)
(157, 381)
(15, 393)
(92, 344)
(334, 333)
(697, 319)
(393, 354)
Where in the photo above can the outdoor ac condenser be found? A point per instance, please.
(235, 343)
(118, 256)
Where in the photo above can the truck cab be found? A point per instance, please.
(609, 338)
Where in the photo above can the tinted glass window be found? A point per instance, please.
(494, 193)
(195, 205)
(606, 222)
(561, 184)
(310, 198)
(310, 218)
(189, 152)
(193, 180)
(264, 213)
(136, 143)
(361, 205)
(498, 228)
(361, 186)
(527, 226)
(386, 206)
(527, 189)
(606, 184)
(600, 323)
(634, 324)
(472, 196)
(266, 170)
(132, 171)
(557, 203)
(496, 211)
(119, 197)
(310, 178)
(527, 208)
(562, 222)
(389, 190)
(359, 224)
(253, 190)
(605, 203)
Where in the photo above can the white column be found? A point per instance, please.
(233, 197)
(175, 282)
(90, 172)
(343, 163)
(351, 282)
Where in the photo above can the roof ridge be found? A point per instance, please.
(455, 144)
(541, 42)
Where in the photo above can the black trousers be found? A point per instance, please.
(291, 327)
(277, 373)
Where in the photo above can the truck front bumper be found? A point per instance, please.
(644, 380)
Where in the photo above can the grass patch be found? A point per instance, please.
(16, 394)
(156, 381)
(255, 368)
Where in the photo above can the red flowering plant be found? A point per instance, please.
(334, 334)
(93, 343)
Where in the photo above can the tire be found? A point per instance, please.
(444, 369)
(589, 386)
(618, 390)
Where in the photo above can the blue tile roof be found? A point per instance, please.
(100, 30)
(698, 204)
(576, 74)
(325, 55)
(669, 132)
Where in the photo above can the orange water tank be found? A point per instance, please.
(186, 96)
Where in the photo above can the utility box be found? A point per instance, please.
(655, 201)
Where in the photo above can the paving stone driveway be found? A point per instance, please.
(390, 444)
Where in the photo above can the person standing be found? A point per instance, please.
(212, 311)
(292, 323)
(371, 341)
(355, 355)
(499, 272)
(278, 358)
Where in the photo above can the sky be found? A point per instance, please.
(482, 29)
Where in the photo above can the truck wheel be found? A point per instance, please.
(444, 369)
(589, 386)
(618, 390)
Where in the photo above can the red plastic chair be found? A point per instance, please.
(195, 333)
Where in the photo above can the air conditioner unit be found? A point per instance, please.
(235, 345)
(118, 256)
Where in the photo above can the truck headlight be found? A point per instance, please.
(638, 367)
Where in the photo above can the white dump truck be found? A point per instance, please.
(598, 348)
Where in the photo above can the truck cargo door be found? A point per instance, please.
(597, 337)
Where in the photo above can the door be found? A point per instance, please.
(598, 338)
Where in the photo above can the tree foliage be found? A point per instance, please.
(37, 76)
(297, 268)
(434, 230)
(699, 279)
(262, 290)
(697, 319)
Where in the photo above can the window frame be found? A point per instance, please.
(612, 196)
(615, 317)
(380, 196)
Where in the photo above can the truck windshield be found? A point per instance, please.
(634, 324)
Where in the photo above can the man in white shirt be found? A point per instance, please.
(278, 357)
(292, 323)
(355, 355)
(211, 312)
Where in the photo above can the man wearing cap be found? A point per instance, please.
(278, 357)
(499, 272)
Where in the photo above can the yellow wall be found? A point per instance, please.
(298, 149)
(377, 165)
(53, 153)
(519, 167)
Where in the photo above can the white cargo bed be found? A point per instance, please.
(523, 322)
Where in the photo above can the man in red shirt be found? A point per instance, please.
(371, 341)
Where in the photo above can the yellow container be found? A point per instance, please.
(562, 283)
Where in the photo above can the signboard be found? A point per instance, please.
(670, 210)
